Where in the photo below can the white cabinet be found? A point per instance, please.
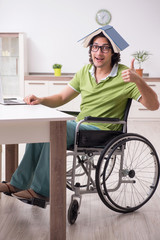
(50, 87)
(38, 88)
(138, 111)
(12, 64)
(56, 87)
(46, 88)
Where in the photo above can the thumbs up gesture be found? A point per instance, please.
(132, 64)
(130, 75)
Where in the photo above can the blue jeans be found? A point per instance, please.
(33, 171)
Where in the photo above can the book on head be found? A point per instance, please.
(117, 41)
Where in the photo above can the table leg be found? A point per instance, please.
(58, 180)
(0, 164)
(11, 160)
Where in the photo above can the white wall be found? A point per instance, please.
(54, 26)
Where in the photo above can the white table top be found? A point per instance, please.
(28, 124)
(31, 112)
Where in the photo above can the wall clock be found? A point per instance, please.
(103, 17)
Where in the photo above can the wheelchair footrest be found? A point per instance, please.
(36, 202)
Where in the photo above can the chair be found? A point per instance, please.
(123, 168)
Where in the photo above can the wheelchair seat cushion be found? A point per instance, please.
(96, 138)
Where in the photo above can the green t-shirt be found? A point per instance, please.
(108, 98)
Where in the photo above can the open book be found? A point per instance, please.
(118, 43)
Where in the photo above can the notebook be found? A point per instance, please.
(9, 101)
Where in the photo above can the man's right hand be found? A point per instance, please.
(32, 100)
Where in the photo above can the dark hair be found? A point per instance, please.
(115, 56)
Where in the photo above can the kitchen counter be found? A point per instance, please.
(49, 77)
(68, 77)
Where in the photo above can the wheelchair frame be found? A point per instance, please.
(111, 152)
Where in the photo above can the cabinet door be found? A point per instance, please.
(38, 88)
(138, 111)
(156, 87)
(56, 87)
(12, 64)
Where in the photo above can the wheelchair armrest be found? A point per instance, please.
(100, 119)
(74, 113)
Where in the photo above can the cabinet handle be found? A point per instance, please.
(36, 83)
(143, 109)
(152, 85)
(59, 83)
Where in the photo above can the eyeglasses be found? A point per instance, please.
(104, 49)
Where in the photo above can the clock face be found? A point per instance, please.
(103, 17)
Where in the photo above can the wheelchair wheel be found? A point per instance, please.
(73, 211)
(133, 178)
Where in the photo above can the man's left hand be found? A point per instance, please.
(130, 75)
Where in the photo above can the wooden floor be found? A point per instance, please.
(95, 222)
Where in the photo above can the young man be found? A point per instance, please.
(105, 87)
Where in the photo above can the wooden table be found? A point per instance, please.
(31, 124)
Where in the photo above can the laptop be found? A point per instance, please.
(9, 101)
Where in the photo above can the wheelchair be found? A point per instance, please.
(123, 168)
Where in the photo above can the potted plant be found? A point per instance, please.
(140, 56)
(57, 69)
